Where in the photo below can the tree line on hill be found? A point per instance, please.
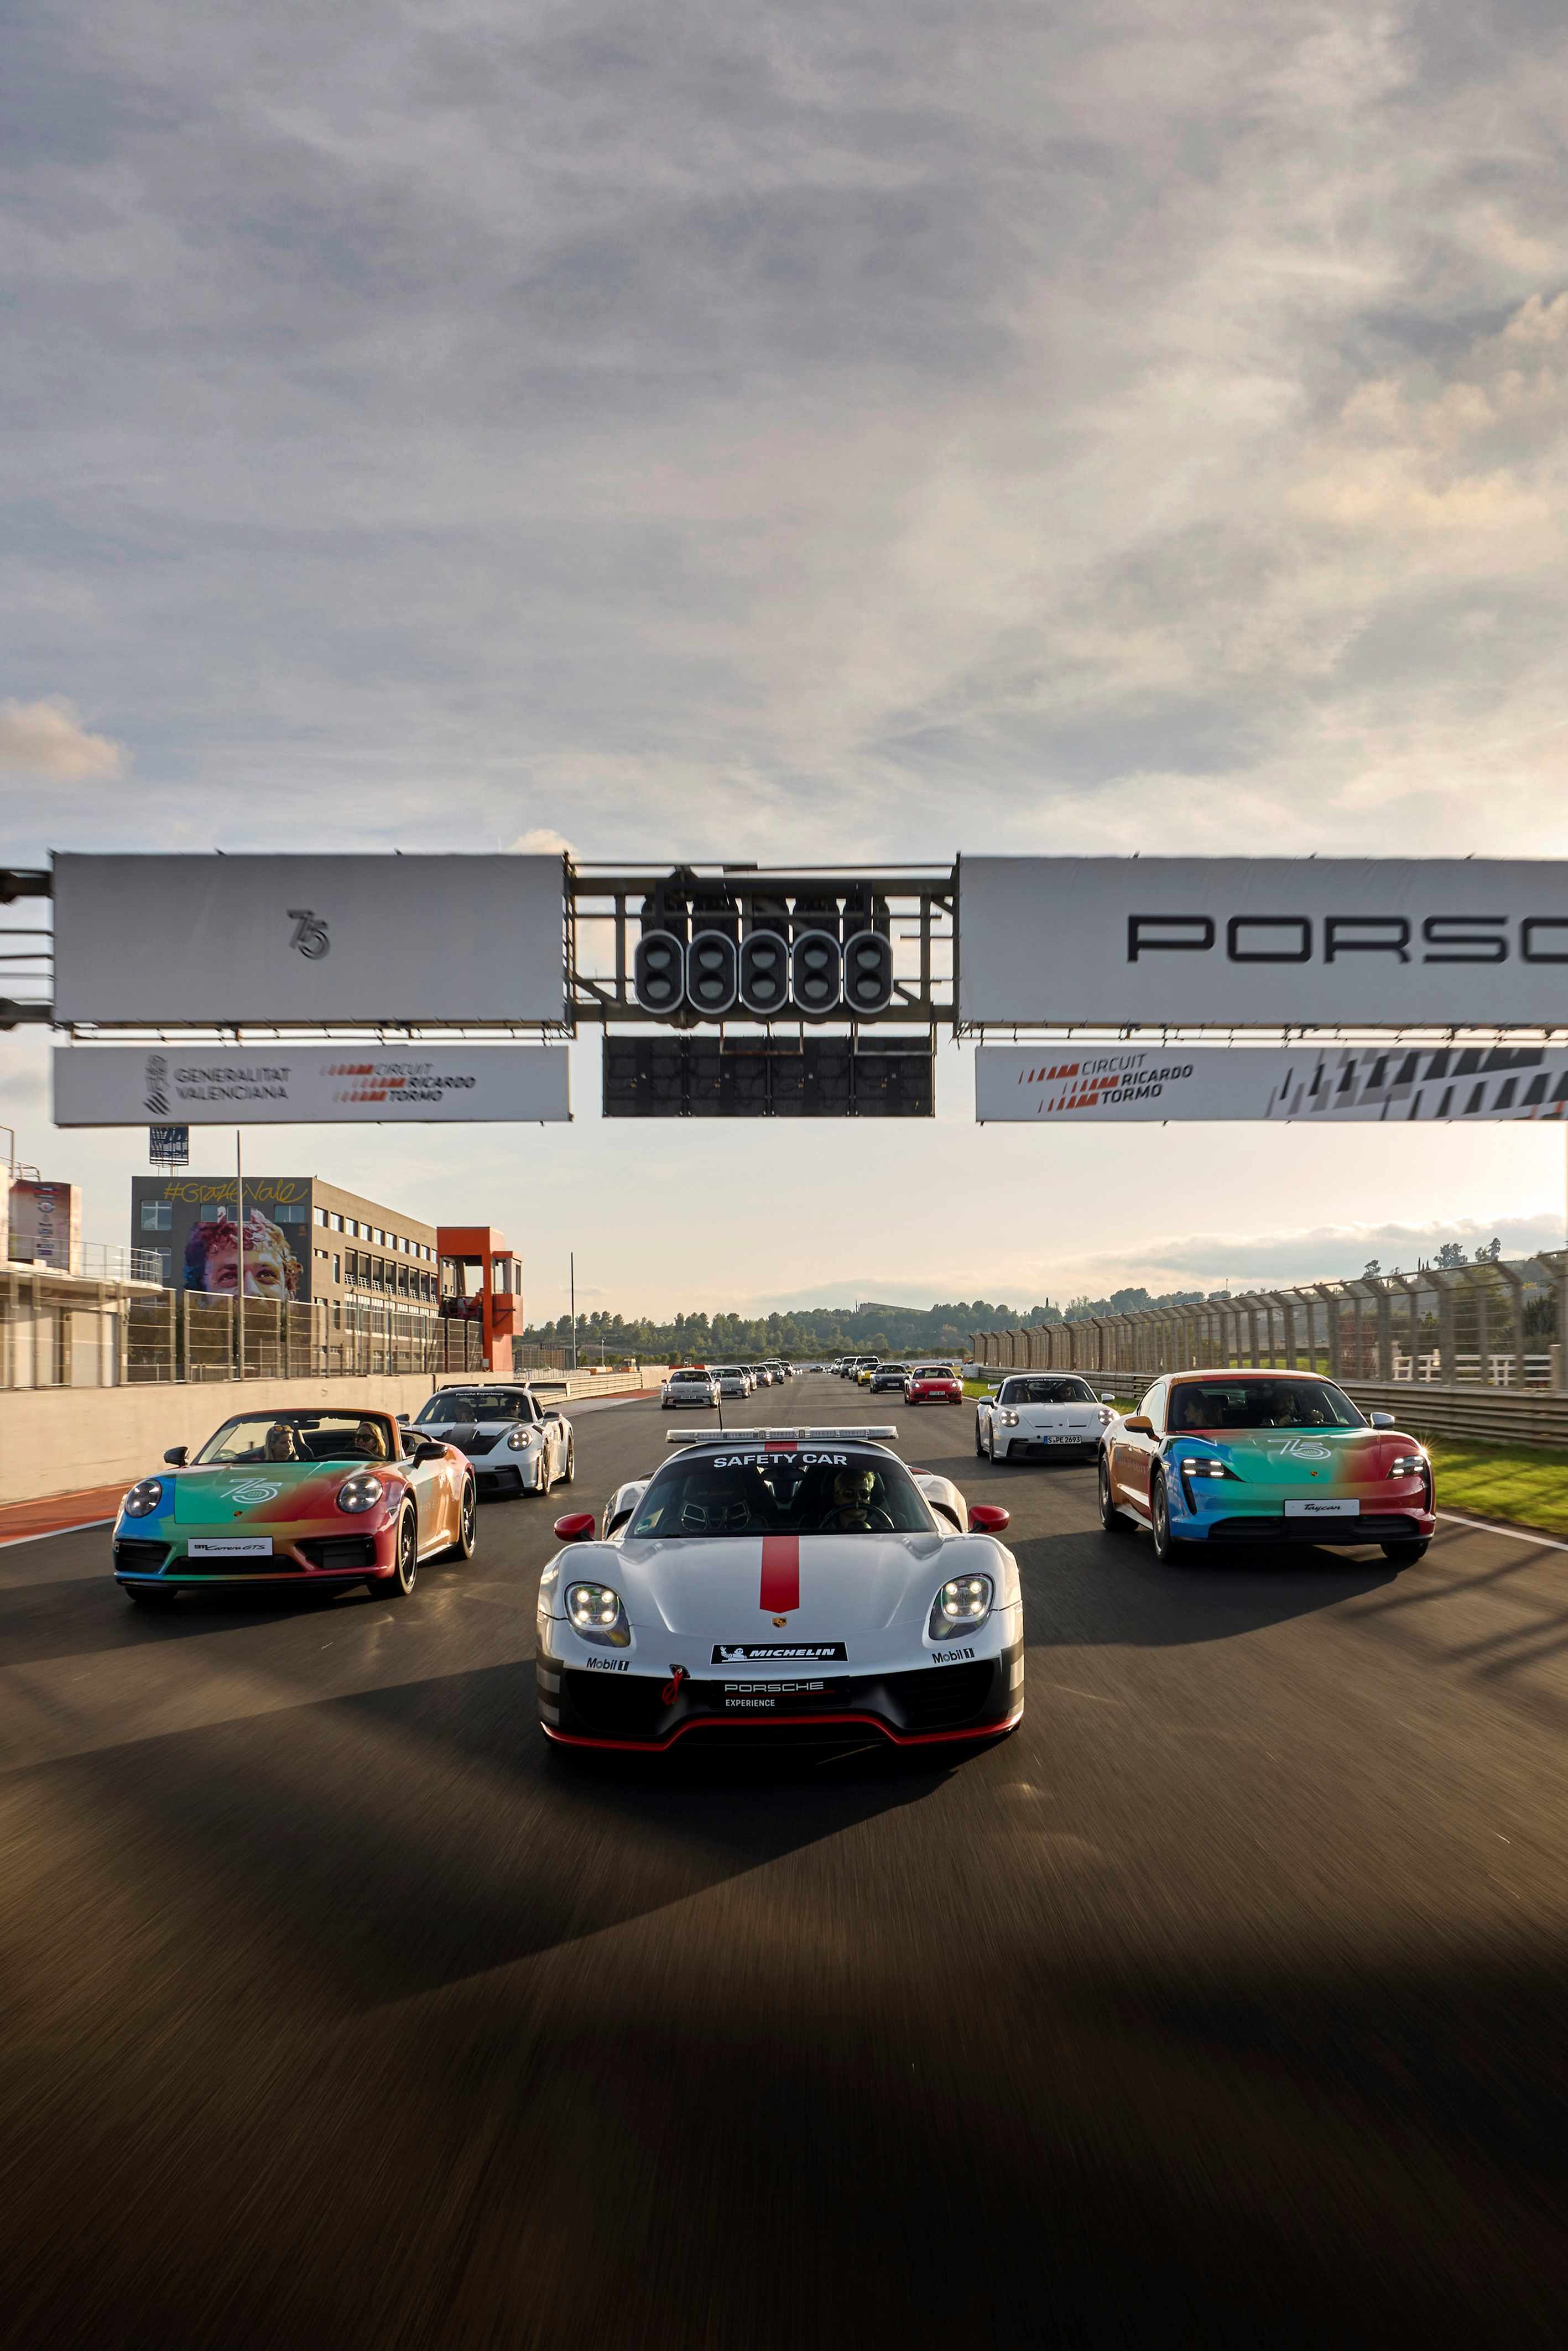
(871, 1328)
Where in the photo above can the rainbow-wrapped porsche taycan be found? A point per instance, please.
(1264, 1457)
(295, 1497)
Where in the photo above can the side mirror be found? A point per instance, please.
(427, 1450)
(1138, 1424)
(1381, 1419)
(1107, 1396)
(177, 1456)
(576, 1527)
(402, 1420)
(988, 1519)
(552, 1416)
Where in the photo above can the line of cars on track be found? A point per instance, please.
(802, 1581)
(706, 1385)
(916, 1382)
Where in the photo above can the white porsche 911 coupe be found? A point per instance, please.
(518, 1442)
(1042, 1416)
(793, 1585)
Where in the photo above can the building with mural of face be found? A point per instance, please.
(308, 1242)
(303, 1239)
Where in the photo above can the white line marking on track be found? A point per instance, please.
(9, 1542)
(1509, 1534)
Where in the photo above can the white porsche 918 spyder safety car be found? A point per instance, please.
(791, 1584)
(1042, 1416)
(518, 1442)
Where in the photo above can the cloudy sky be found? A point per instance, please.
(859, 431)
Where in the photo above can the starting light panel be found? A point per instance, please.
(713, 974)
(765, 974)
(822, 1077)
(816, 975)
(868, 973)
(659, 972)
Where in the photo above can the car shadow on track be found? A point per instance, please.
(378, 1845)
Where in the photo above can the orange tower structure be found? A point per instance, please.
(482, 1280)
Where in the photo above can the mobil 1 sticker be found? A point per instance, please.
(747, 1653)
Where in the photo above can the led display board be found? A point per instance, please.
(823, 1077)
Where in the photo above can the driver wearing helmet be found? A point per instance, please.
(849, 1512)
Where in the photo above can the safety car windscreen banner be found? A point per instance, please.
(1290, 943)
(1065, 1085)
(284, 1085)
(220, 942)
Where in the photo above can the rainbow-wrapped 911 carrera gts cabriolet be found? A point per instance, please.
(295, 1498)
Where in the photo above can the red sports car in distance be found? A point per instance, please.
(934, 1383)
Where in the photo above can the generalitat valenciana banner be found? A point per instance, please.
(1066, 1085)
(289, 1085)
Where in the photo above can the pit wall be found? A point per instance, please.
(68, 1440)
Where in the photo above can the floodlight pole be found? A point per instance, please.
(571, 1277)
(239, 1219)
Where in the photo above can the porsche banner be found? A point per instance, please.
(1263, 942)
(292, 1085)
(1064, 1085)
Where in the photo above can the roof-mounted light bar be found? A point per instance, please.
(879, 1436)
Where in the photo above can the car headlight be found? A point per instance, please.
(1409, 1465)
(360, 1492)
(1106, 1416)
(1195, 1466)
(594, 1610)
(520, 1440)
(1007, 1419)
(143, 1497)
(960, 1606)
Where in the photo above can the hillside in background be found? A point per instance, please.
(871, 1328)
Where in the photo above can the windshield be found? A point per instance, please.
(1261, 1403)
(477, 1404)
(845, 1490)
(303, 1436)
(1046, 1392)
(934, 1372)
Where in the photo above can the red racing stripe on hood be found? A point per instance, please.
(780, 1573)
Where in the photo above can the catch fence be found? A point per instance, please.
(1492, 1327)
(191, 1335)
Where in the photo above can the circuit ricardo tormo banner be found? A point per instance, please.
(1065, 1085)
(286, 1085)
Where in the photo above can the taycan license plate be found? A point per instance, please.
(1324, 1506)
(230, 1547)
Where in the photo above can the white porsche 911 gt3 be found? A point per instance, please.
(1042, 1416)
(518, 1441)
(795, 1583)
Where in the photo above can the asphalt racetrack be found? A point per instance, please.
(1224, 2002)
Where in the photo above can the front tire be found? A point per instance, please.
(1404, 1554)
(570, 1472)
(1169, 1550)
(991, 1447)
(405, 1568)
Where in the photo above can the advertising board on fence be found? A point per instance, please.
(279, 1085)
(46, 1225)
(1264, 941)
(1064, 1085)
(220, 942)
